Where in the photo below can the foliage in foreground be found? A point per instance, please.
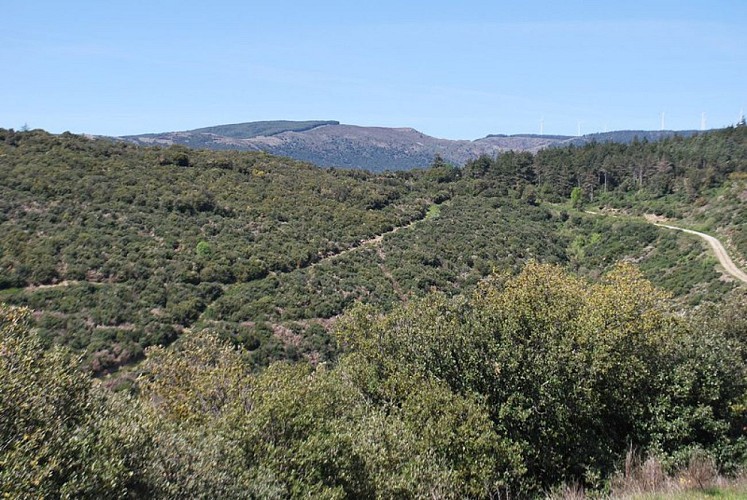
(528, 383)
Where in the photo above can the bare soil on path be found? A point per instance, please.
(718, 249)
(723, 257)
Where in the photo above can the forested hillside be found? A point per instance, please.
(675, 165)
(701, 177)
(119, 247)
(289, 331)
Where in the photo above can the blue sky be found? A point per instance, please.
(457, 70)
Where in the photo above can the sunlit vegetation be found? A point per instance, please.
(289, 331)
(140, 243)
(525, 384)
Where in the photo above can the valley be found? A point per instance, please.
(220, 318)
(247, 243)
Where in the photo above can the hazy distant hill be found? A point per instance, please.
(628, 136)
(332, 144)
(226, 136)
(256, 129)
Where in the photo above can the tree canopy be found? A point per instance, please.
(527, 382)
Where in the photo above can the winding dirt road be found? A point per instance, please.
(718, 249)
(723, 258)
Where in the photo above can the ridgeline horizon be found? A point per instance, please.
(329, 143)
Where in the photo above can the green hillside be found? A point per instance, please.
(253, 129)
(120, 247)
(278, 330)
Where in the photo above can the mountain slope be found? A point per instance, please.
(267, 128)
(628, 136)
(118, 247)
(331, 144)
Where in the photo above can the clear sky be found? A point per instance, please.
(458, 70)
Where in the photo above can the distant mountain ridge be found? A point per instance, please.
(328, 143)
(628, 136)
(264, 128)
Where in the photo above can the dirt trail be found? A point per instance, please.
(723, 257)
(61, 284)
(376, 240)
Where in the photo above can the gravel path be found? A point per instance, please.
(718, 249)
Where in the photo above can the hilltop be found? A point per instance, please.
(332, 144)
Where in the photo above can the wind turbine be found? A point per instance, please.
(662, 121)
(542, 126)
(702, 121)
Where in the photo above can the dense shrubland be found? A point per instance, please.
(460, 367)
(145, 239)
(143, 243)
(527, 383)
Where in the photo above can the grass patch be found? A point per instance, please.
(433, 212)
(646, 480)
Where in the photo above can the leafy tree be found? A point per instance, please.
(577, 197)
(570, 373)
(202, 379)
(294, 431)
(440, 171)
(59, 435)
(203, 249)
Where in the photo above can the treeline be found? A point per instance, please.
(529, 382)
(676, 165)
